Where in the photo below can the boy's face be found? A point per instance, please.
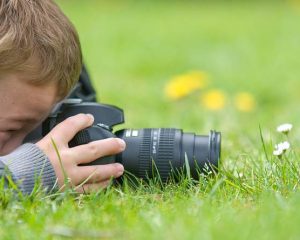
(22, 107)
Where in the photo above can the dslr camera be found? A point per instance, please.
(148, 151)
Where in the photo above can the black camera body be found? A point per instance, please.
(106, 117)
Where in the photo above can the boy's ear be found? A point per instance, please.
(84, 90)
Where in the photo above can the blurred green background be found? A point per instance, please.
(134, 48)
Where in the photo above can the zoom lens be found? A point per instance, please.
(167, 149)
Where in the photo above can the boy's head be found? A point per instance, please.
(37, 39)
(40, 56)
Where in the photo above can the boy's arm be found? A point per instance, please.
(28, 165)
(31, 163)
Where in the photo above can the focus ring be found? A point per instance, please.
(165, 154)
(144, 155)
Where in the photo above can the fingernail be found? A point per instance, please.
(91, 117)
(119, 174)
(120, 169)
(121, 143)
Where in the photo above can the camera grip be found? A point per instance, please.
(91, 134)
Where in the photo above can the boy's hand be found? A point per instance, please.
(98, 175)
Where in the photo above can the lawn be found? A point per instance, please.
(134, 50)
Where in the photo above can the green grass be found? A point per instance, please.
(132, 49)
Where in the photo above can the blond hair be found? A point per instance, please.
(38, 39)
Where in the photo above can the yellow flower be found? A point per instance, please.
(183, 85)
(295, 4)
(214, 100)
(245, 102)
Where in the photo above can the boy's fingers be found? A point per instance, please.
(90, 152)
(92, 187)
(67, 129)
(99, 173)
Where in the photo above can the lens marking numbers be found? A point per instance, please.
(155, 140)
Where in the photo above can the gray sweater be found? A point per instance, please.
(28, 165)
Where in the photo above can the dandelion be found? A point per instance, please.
(285, 128)
(214, 100)
(295, 4)
(245, 102)
(183, 85)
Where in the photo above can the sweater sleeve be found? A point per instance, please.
(27, 165)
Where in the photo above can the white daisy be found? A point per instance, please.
(285, 128)
(278, 152)
(283, 146)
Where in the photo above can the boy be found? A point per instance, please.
(40, 62)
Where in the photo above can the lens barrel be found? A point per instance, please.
(165, 150)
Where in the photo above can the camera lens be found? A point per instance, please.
(166, 150)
